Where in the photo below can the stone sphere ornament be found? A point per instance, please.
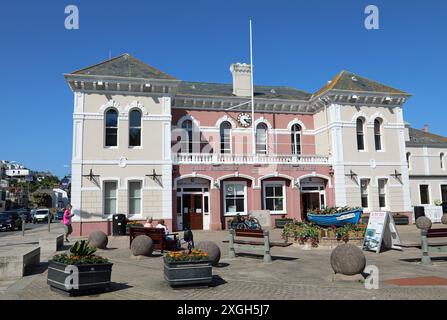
(142, 246)
(348, 260)
(423, 223)
(98, 239)
(444, 219)
(212, 249)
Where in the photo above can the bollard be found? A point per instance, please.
(49, 221)
(23, 227)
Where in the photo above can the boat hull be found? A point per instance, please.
(336, 219)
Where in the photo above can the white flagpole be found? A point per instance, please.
(253, 129)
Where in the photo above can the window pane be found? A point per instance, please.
(382, 202)
(360, 143)
(278, 191)
(382, 183)
(364, 202)
(134, 137)
(110, 189)
(179, 205)
(134, 206)
(444, 193)
(135, 189)
(135, 119)
(278, 204)
(230, 205)
(425, 199)
(378, 142)
(240, 189)
(110, 207)
(205, 200)
(269, 204)
(269, 191)
(112, 118)
(240, 205)
(111, 137)
(230, 190)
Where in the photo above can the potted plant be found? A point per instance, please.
(188, 268)
(80, 272)
(281, 222)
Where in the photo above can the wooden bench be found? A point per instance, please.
(426, 247)
(249, 245)
(157, 235)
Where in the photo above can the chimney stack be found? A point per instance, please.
(241, 79)
(425, 128)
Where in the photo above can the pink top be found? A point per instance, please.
(67, 217)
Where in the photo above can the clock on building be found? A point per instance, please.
(244, 119)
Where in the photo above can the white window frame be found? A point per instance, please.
(275, 183)
(442, 160)
(267, 131)
(109, 215)
(296, 134)
(230, 137)
(229, 214)
(368, 193)
(363, 134)
(429, 194)
(140, 214)
(386, 192)
(117, 129)
(140, 127)
(382, 149)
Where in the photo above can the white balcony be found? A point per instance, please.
(214, 158)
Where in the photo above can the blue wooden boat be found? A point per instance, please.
(336, 219)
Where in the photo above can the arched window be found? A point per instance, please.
(360, 134)
(111, 128)
(441, 160)
(261, 138)
(187, 145)
(296, 139)
(135, 128)
(378, 134)
(408, 159)
(225, 137)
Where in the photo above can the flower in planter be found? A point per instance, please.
(81, 253)
(194, 255)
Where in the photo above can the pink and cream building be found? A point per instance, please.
(146, 144)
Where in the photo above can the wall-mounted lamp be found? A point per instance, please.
(216, 185)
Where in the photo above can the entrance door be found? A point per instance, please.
(193, 211)
(311, 201)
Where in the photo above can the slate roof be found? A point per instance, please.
(346, 80)
(124, 66)
(226, 90)
(419, 137)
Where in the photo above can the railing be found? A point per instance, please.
(214, 158)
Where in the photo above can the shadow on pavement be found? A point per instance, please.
(222, 265)
(261, 257)
(217, 281)
(444, 259)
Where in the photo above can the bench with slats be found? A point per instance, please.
(250, 245)
(157, 236)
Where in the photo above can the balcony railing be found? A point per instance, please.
(214, 158)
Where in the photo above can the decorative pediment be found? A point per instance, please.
(226, 118)
(111, 104)
(136, 105)
(298, 122)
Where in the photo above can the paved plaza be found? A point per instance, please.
(295, 273)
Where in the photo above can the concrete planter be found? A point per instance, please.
(92, 278)
(186, 273)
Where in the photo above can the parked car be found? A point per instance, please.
(10, 220)
(42, 215)
(25, 215)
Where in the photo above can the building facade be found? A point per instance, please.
(193, 154)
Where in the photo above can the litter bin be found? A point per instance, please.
(419, 211)
(119, 224)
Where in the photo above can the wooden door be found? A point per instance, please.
(196, 213)
(186, 207)
(310, 201)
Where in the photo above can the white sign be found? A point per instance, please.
(381, 231)
(345, 217)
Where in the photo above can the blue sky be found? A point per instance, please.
(302, 44)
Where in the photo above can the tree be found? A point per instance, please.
(43, 200)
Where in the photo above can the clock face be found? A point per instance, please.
(244, 119)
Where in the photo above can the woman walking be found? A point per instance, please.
(67, 221)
